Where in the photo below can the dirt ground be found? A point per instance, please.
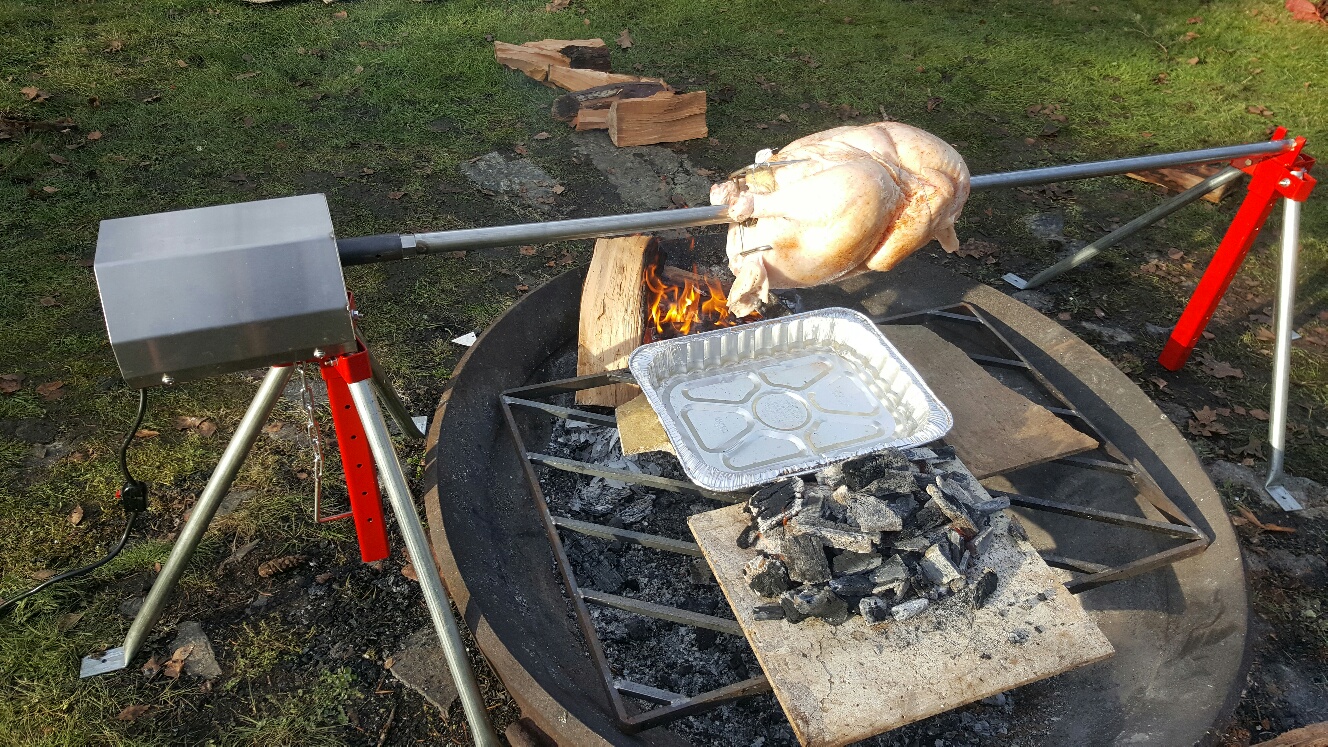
(304, 653)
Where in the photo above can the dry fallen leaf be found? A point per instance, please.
(273, 427)
(933, 103)
(408, 570)
(1159, 383)
(390, 661)
(395, 195)
(1253, 448)
(520, 150)
(207, 428)
(1259, 414)
(114, 45)
(624, 39)
(1204, 423)
(94, 135)
(1220, 369)
(1192, 61)
(59, 159)
(1064, 316)
(522, 288)
(340, 15)
(528, 251)
(1304, 10)
(541, 136)
(50, 190)
(250, 74)
(131, 713)
(152, 667)
(556, 5)
(51, 390)
(10, 383)
(76, 516)
(33, 93)
(175, 664)
(559, 189)
(146, 433)
(69, 621)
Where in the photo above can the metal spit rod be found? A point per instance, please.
(385, 247)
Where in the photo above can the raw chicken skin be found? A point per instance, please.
(838, 203)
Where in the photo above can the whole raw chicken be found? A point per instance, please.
(838, 203)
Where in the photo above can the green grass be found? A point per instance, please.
(183, 125)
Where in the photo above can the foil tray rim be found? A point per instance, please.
(938, 422)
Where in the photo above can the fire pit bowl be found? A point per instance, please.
(1179, 632)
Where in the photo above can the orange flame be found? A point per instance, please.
(685, 303)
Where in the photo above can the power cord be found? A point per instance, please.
(133, 498)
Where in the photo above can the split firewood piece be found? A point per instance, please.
(639, 428)
(591, 119)
(662, 118)
(567, 106)
(612, 316)
(536, 58)
(590, 54)
(571, 79)
(1181, 178)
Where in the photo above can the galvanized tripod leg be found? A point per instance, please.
(417, 546)
(1286, 311)
(1225, 176)
(217, 488)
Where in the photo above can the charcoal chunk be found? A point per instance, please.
(775, 503)
(816, 601)
(938, 569)
(839, 536)
(831, 477)
(984, 588)
(767, 576)
(891, 482)
(804, 555)
(791, 613)
(865, 470)
(917, 544)
(768, 612)
(871, 514)
(853, 585)
(939, 510)
(855, 562)
(748, 537)
(874, 610)
(919, 454)
(891, 577)
(911, 608)
(771, 541)
(983, 542)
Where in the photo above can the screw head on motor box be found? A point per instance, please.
(195, 293)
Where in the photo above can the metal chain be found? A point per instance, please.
(315, 440)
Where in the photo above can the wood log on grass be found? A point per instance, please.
(567, 106)
(535, 59)
(576, 79)
(663, 118)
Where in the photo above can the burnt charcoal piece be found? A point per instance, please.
(984, 588)
(705, 638)
(871, 514)
(834, 503)
(804, 555)
(839, 536)
(911, 608)
(874, 610)
(891, 578)
(768, 612)
(767, 576)
(864, 470)
(983, 542)
(774, 503)
(771, 541)
(817, 601)
(854, 585)
(938, 569)
(855, 562)
(996, 503)
(748, 537)
(791, 613)
(917, 544)
(919, 454)
(831, 477)
(892, 482)
(944, 453)
(939, 510)
(904, 505)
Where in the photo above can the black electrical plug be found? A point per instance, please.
(133, 496)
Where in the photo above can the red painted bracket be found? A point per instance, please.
(1284, 174)
(366, 504)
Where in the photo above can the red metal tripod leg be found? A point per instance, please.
(366, 503)
(1217, 277)
(1280, 175)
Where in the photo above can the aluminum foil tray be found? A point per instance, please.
(745, 405)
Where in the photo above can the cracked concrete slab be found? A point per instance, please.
(519, 179)
(422, 666)
(647, 177)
